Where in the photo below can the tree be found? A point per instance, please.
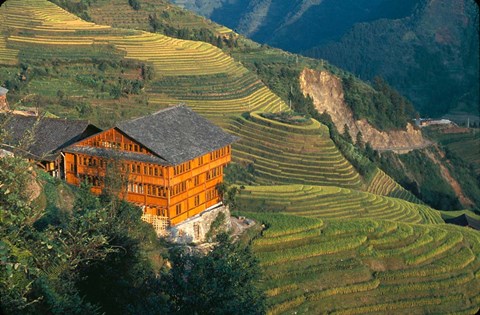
(222, 282)
(360, 143)
(135, 4)
(346, 134)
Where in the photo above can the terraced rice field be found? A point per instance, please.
(328, 202)
(118, 13)
(367, 266)
(382, 184)
(288, 154)
(7, 56)
(42, 30)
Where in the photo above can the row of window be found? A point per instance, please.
(90, 161)
(214, 172)
(160, 211)
(182, 168)
(211, 194)
(135, 168)
(219, 153)
(107, 144)
(179, 188)
(151, 190)
(117, 145)
(95, 181)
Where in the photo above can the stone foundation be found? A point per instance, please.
(193, 230)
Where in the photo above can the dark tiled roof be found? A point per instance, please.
(177, 134)
(44, 137)
(109, 153)
(3, 91)
(465, 220)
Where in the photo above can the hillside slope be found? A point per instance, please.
(333, 203)
(361, 266)
(195, 73)
(327, 93)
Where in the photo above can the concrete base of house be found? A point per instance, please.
(194, 229)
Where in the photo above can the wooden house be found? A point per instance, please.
(170, 163)
(41, 139)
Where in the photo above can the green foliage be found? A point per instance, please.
(77, 7)
(216, 227)
(288, 118)
(44, 268)
(242, 172)
(221, 282)
(162, 25)
(424, 178)
(383, 107)
(135, 4)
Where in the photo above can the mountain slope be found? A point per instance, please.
(426, 49)
(196, 73)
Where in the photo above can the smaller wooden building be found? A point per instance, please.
(41, 139)
(170, 162)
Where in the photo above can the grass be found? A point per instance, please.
(326, 202)
(382, 184)
(288, 154)
(342, 268)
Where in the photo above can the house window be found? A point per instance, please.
(138, 169)
(197, 200)
(196, 180)
(200, 160)
(178, 209)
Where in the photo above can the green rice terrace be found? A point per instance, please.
(284, 153)
(360, 266)
(333, 202)
(39, 31)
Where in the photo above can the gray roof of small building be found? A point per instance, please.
(176, 134)
(3, 91)
(43, 137)
(464, 220)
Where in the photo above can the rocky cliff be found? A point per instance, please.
(326, 90)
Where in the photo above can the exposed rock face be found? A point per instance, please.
(195, 228)
(326, 91)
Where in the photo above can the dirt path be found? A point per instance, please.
(401, 150)
(239, 225)
(464, 200)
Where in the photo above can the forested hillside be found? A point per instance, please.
(426, 49)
